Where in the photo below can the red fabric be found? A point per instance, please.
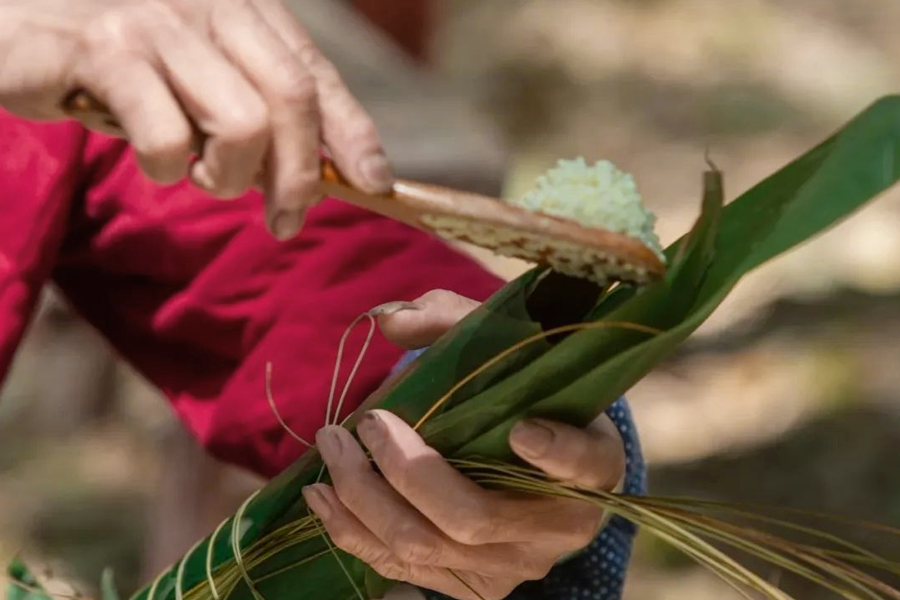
(196, 294)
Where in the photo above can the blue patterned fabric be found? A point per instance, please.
(598, 572)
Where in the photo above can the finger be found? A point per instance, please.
(462, 510)
(350, 535)
(381, 510)
(401, 528)
(436, 312)
(289, 90)
(347, 129)
(144, 105)
(223, 104)
(591, 458)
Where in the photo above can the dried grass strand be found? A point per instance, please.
(270, 397)
(523, 343)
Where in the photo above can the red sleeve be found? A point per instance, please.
(39, 173)
(198, 297)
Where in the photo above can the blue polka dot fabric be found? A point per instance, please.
(598, 572)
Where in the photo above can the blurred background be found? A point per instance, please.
(790, 395)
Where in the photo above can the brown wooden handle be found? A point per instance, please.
(83, 106)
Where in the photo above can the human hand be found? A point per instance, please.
(244, 72)
(422, 522)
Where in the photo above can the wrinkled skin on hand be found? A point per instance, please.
(420, 521)
(245, 72)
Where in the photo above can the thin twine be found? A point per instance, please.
(271, 400)
(236, 546)
(210, 549)
(152, 593)
(179, 574)
(353, 371)
(270, 397)
(333, 551)
(521, 344)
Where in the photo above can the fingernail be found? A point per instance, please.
(532, 439)
(329, 444)
(389, 308)
(376, 170)
(317, 501)
(287, 224)
(371, 430)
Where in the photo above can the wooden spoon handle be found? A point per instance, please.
(83, 106)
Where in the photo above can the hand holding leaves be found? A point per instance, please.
(420, 521)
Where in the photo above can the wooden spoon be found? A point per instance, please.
(563, 244)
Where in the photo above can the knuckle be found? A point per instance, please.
(168, 148)
(247, 124)
(432, 296)
(412, 545)
(127, 26)
(111, 30)
(308, 54)
(474, 531)
(347, 542)
(294, 85)
(242, 5)
(326, 74)
(391, 568)
(534, 569)
(475, 523)
(354, 545)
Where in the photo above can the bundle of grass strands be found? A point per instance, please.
(551, 346)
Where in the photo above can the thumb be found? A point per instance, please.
(592, 458)
(427, 318)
